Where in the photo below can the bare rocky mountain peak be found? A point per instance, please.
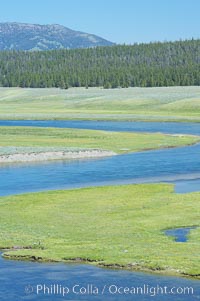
(24, 36)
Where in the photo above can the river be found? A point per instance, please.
(180, 166)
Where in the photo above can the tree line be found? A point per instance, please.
(139, 65)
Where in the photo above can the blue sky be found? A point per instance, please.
(121, 21)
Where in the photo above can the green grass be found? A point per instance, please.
(30, 137)
(165, 104)
(108, 225)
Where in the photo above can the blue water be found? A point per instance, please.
(125, 126)
(180, 166)
(167, 165)
(19, 281)
(188, 185)
(180, 234)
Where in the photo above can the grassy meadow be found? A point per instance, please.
(27, 139)
(111, 226)
(148, 104)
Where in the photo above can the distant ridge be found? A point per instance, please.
(24, 36)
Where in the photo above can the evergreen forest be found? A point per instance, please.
(140, 65)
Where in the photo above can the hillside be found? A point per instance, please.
(140, 65)
(22, 36)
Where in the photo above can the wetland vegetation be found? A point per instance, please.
(111, 226)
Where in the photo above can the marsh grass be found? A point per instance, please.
(107, 225)
(13, 139)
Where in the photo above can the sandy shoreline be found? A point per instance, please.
(54, 155)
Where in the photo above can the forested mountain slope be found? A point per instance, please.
(140, 65)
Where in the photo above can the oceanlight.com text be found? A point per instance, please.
(107, 289)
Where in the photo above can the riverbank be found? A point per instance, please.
(113, 226)
(8, 254)
(56, 155)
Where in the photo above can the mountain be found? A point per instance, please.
(23, 36)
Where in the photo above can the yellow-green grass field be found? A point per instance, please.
(33, 137)
(148, 104)
(110, 226)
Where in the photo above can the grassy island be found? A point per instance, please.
(116, 226)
